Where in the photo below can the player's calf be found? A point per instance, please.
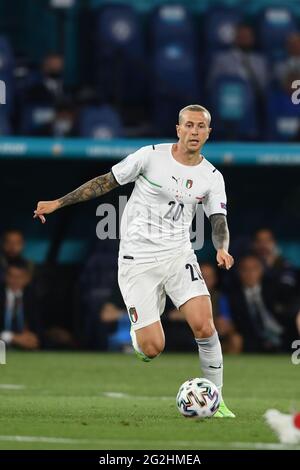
(149, 341)
(152, 350)
(145, 348)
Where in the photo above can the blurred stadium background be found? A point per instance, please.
(88, 82)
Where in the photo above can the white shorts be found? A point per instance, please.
(144, 286)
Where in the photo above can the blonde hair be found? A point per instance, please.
(194, 107)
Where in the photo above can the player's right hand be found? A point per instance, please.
(45, 207)
(224, 259)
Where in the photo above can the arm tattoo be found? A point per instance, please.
(220, 232)
(89, 190)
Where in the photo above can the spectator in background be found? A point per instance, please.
(242, 61)
(231, 341)
(50, 87)
(97, 286)
(177, 332)
(292, 63)
(280, 275)
(276, 268)
(57, 338)
(19, 323)
(115, 320)
(114, 323)
(63, 123)
(253, 303)
(12, 247)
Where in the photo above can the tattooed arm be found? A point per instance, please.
(93, 188)
(89, 190)
(220, 232)
(220, 238)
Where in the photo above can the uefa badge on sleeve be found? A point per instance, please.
(133, 315)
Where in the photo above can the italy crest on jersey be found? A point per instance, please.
(133, 315)
(189, 184)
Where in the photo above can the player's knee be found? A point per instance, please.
(205, 330)
(152, 349)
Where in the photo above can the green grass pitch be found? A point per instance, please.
(112, 401)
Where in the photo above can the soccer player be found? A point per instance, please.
(156, 256)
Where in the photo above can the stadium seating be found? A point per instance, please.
(233, 102)
(119, 52)
(170, 94)
(219, 27)
(103, 122)
(172, 24)
(6, 55)
(275, 24)
(283, 117)
(6, 72)
(5, 127)
(148, 66)
(34, 117)
(117, 28)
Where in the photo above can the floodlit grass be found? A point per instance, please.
(112, 401)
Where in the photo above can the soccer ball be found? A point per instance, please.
(198, 398)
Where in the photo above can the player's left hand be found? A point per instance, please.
(224, 259)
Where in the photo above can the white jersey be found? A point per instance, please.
(157, 217)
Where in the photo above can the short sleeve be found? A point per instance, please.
(215, 200)
(128, 169)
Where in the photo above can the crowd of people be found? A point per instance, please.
(256, 306)
(42, 104)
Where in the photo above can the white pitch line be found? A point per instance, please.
(264, 445)
(196, 445)
(50, 440)
(12, 387)
(139, 397)
(115, 395)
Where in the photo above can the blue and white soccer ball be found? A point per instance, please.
(198, 398)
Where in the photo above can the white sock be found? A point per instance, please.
(134, 341)
(211, 359)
